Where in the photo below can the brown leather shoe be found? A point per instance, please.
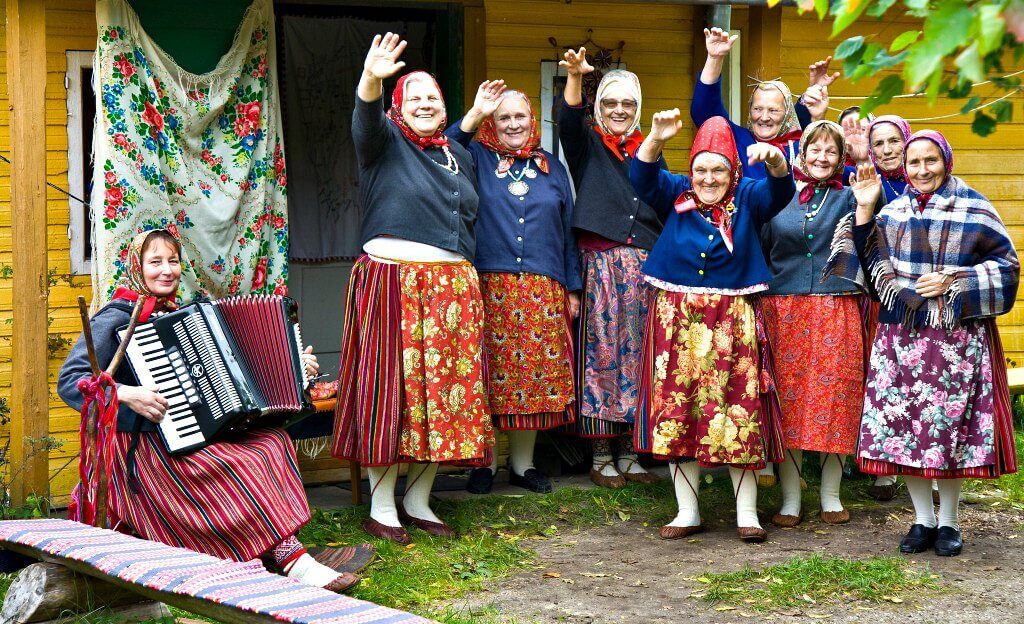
(835, 517)
(787, 521)
(639, 477)
(343, 583)
(341, 559)
(673, 532)
(884, 492)
(397, 535)
(752, 535)
(439, 529)
(613, 482)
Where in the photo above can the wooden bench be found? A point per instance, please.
(226, 591)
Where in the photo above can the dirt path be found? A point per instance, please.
(624, 573)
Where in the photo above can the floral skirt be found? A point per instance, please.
(412, 384)
(527, 351)
(817, 345)
(611, 341)
(702, 381)
(937, 404)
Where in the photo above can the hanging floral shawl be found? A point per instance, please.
(199, 155)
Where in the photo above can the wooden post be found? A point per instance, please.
(26, 87)
(762, 52)
(474, 48)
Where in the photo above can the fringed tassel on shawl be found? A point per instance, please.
(843, 261)
(312, 447)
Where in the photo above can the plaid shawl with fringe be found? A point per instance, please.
(959, 233)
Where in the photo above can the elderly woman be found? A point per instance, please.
(529, 274)
(701, 353)
(937, 405)
(412, 385)
(238, 498)
(814, 328)
(615, 230)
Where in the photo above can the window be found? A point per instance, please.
(81, 117)
(732, 83)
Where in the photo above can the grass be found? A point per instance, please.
(804, 581)
(1009, 487)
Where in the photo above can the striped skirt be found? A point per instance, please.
(235, 499)
(528, 351)
(611, 340)
(411, 373)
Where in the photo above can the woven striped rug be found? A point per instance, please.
(246, 586)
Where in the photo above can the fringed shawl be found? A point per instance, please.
(959, 233)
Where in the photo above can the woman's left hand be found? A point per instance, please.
(771, 156)
(310, 362)
(574, 305)
(816, 100)
(933, 284)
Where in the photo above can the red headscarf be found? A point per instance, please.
(438, 139)
(136, 282)
(488, 137)
(715, 136)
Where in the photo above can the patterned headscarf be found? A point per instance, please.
(715, 137)
(625, 144)
(947, 155)
(800, 172)
(789, 129)
(135, 281)
(904, 129)
(438, 139)
(488, 137)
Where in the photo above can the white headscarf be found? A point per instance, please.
(618, 78)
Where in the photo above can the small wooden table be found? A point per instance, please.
(354, 471)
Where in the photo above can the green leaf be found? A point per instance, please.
(821, 7)
(924, 59)
(887, 89)
(846, 13)
(949, 25)
(969, 64)
(960, 90)
(983, 125)
(849, 47)
(971, 104)
(991, 27)
(916, 5)
(884, 61)
(934, 87)
(1003, 110)
(879, 8)
(904, 40)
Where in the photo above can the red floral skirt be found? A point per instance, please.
(528, 351)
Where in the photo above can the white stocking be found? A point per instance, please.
(949, 502)
(886, 480)
(920, 490)
(382, 494)
(312, 572)
(520, 444)
(419, 483)
(789, 473)
(744, 485)
(686, 481)
(831, 477)
(603, 458)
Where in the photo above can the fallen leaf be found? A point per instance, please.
(703, 579)
(552, 575)
(333, 544)
(594, 575)
(623, 516)
(725, 608)
(820, 532)
(569, 581)
(819, 616)
(893, 599)
(807, 598)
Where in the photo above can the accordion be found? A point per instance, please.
(221, 365)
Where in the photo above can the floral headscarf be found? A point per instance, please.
(135, 281)
(947, 155)
(800, 172)
(625, 144)
(715, 137)
(789, 129)
(904, 129)
(488, 137)
(438, 139)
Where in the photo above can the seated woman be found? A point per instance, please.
(240, 498)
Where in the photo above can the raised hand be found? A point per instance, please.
(866, 185)
(718, 42)
(767, 153)
(575, 63)
(856, 139)
(665, 125)
(818, 75)
(488, 97)
(382, 59)
(815, 98)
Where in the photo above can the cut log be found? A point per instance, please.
(43, 591)
(131, 614)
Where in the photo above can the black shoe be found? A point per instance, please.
(919, 539)
(532, 480)
(948, 542)
(480, 481)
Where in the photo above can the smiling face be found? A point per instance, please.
(711, 176)
(926, 167)
(618, 110)
(887, 146)
(822, 157)
(513, 122)
(767, 112)
(161, 268)
(423, 107)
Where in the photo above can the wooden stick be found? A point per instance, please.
(92, 420)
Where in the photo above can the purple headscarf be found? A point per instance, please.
(904, 129)
(935, 137)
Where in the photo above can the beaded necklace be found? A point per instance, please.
(452, 165)
(517, 186)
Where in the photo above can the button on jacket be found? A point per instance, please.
(690, 252)
(525, 234)
(605, 202)
(406, 191)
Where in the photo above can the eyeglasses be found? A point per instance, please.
(627, 105)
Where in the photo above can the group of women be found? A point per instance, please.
(805, 286)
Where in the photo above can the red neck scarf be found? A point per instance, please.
(488, 137)
(438, 139)
(715, 136)
(807, 192)
(783, 140)
(621, 145)
(922, 200)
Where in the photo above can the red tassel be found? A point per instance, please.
(94, 390)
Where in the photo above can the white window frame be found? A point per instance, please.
(733, 82)
(77, 60)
